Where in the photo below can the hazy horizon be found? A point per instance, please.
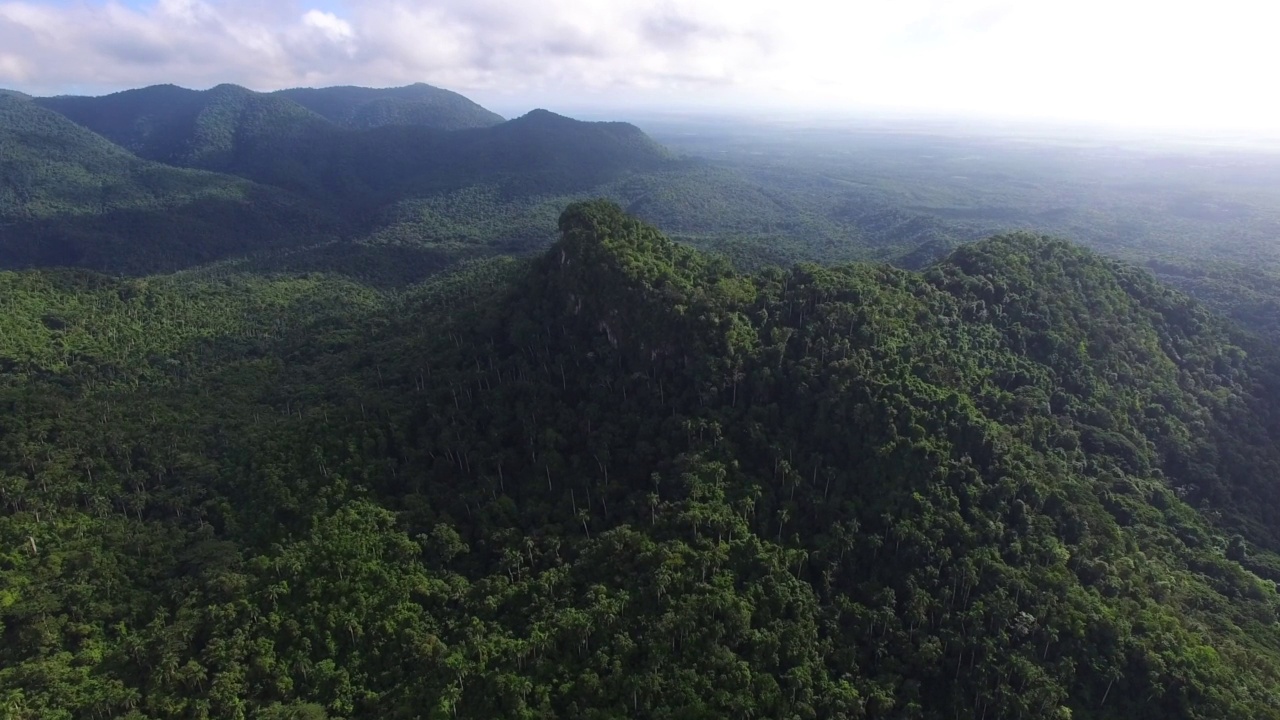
(1120, 65)
(856, 120)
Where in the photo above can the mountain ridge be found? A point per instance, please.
(207, 129)
(270, 138)
(417, 104)
(71, 197)
(358, 175)
(623, 479)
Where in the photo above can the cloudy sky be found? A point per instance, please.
(1165, 63)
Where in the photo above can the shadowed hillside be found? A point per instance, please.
(420, 104)
(217, 129)
(70, 197)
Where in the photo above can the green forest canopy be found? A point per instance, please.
(623, 479)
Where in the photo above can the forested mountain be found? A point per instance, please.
(1201, 215)
(361, 108)
(70, 197)
(423, 178)
(363, 148)
(539, 154)
(274, 140)
(390, 204)
(618, 477)
(625, 480)
(222, 128)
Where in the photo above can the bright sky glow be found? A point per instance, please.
(1121, 62)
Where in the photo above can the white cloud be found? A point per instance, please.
(1127, 61)
(12, 66)
(330, 25)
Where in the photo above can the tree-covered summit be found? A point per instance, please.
(214, 129)
(418, 104)
(125, 183)
(624, 480)
(70, 197)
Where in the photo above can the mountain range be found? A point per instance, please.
(357, 403)
(419, 104)
(70, 197)
(301, 178)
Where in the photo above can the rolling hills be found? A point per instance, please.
(362, 146)
(538, 154)
(359, 108)
(622, 479)
(70, 197)
(287, 188)
(217, 129)
(768, 193)
(381, 412)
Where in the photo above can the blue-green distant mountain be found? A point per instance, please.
(419, 104)
(109, 182)
(354, 146)
(216, 129)
(71, 197)
(538, 153)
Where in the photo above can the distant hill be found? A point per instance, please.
(81, 187)
(538, 154)
(70, 197)
(421, 105)
(356, 147)
(623, 480)
(544, 139)
(223, 128)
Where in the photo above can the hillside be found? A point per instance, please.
(69, 197)
(1202, 217)
(623, 480)
(223, 128)
(271, 139)
(360, 108)
(417, 194)
(443, 179)
(540, 153)
(361, 146)
(413, 200)
(417, 197)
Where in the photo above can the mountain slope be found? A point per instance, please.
(539, 154)
(1200, 401)
(222, 128)
(600, 150)
(411, 196)
(422, 105)
(623, 480)
(70, 197)
(273, 140)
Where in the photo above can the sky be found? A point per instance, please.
(1126, 63)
